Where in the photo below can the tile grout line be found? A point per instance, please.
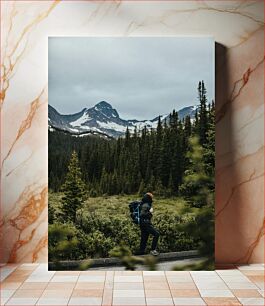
(145, 298)
(102, 297)
(169, 288)
(103, 289)
(43, 289)
(73, 288)
(112, 290)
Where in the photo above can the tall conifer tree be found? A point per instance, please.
(73, 188)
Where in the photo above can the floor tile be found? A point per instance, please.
(157, 293)
(64, 279)
(43, 266)
(21, 272)
(16, 278)
(129, 286)
(60, 286)
(7, 293)
(42, 272)
(88, 285)
(218, 301)
(251, 267)
(110, 274)
(9, 285)
(128, 279)
(246, 293)
(241, 285)
(253, 272)
(212, 285)
(53, 301)
(5, 272)
(3, 300)
(260, 285)
(135, 301)
(208, 280)
(85, 301)
(159, 301)
(128, 273)
(216, 293)
(182, 293)
(56, 294)
(155, 278)
(232, 272)
(256, 278)
(39, 278)
(261, 292)
(156, 286)
(182, 286)
(9, 265)
(128, 293)
(235, 279)
(28, 293)
(108, 285)
(28, 266)
(153, 273)
(91, 278)
(188, 301)
(34, 286)
(22, 301)
(107, 297)
(177, 273)
(252, 301)
(96, 273)
(179, 279)
(68, 273)
(203, 273)
(87, 293)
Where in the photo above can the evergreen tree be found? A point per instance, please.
(141, 188)
(201, 199)
(209, 152)
(203, 122)
(74, 189)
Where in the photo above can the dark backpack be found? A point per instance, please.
(135, 210)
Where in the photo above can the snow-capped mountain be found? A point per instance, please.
(104, 120)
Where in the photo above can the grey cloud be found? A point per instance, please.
(140, 77)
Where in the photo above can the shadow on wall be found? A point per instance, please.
(228, 224)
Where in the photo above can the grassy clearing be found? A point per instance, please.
(104, 223)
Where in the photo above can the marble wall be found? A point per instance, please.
(237, 27)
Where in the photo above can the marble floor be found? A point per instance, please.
(33, 284)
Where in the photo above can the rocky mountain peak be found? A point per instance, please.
(103, 105)
(106, 109)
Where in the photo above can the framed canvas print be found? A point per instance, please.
(131, 126)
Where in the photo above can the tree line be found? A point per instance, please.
(148, 160)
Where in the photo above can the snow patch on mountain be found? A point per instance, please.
(112, 126)
(80, 121)
(104, 120)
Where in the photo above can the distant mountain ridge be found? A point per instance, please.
(103, 119)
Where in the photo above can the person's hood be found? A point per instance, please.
(147, 199)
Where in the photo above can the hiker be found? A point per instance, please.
(146, 225)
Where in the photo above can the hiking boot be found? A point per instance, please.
(154, 253)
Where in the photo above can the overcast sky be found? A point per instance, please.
(140, 77)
